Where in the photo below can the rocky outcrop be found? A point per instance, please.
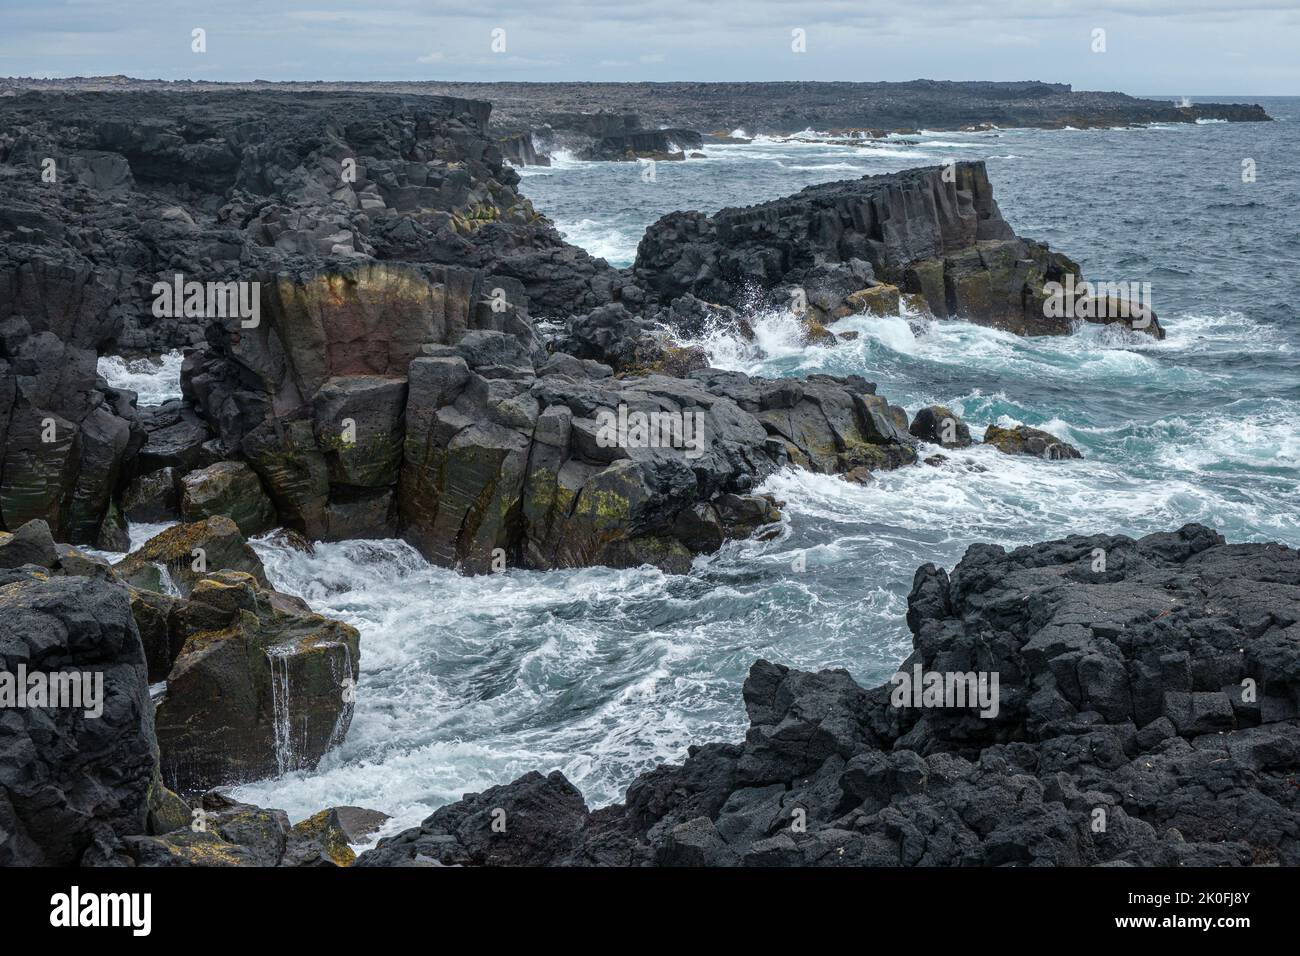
(176, 559)
(1144, 713)
(77, 764)
(223, 832)
(260, 685)
(606, 137)
(1023, 440)
(567, 466)
(376, 370)
(255, 684)
(346, 222)
(938, 425)
(936, 232)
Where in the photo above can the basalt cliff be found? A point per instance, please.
(383, 338)
(358, 283)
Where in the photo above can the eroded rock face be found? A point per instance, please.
(832, 244)
(80, 776)
(526, 466)
(304, 196)
(64, 438)
(182, 555)
(68, 780)
(260, 686)
(1146, 714)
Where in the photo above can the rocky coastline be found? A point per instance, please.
(1146, 717)
(383, 338)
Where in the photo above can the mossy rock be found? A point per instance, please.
(320, 840)
(1023, 440)
(879, 300)
(229, 488)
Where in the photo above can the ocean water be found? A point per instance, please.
(154, 379)
(470, 682)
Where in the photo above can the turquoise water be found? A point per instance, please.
(469, 682)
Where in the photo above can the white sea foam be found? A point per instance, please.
(602, 239)
(154, 380)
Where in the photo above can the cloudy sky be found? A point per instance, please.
(1243, 47)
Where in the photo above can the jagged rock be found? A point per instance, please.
(228, 488)
(259, 686)
(883, 299)
(152, 497)
(615, 337)
(68, 780)
(320, 840)
(77, 563)
(926, 233)
(358, 823)
(534, 470)
(1023, 440)
(935, 423)
(534, 821)
(1153, 692)
(162, 643)
(30, 544)
(176, 439)
(184, 554)
(222, 833)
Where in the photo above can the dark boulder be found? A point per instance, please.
(936, 424)
(228, 488)
(184, 554)
(260, 686)
(534, 821)
(1023, 440)
(72, 776)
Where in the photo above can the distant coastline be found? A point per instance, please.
(775, 107)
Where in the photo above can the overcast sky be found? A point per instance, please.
(1242, 47)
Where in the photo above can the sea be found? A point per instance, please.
(469, 682)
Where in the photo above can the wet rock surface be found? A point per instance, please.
(249, 683)
(393, 380)
(838, 248)
(1145, 715)
(1023, 440)
(259, 686)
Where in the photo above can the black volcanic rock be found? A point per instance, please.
(69, 778)
(393, 380)
(772, 107)
(928, 232)
(1146, 714)
(534, 821)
